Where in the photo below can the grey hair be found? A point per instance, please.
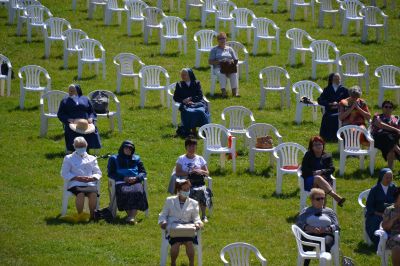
(355, 90)
(185, 70)
(315, 191)
(79, 140)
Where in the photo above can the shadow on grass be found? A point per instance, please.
(26, 109)
(202, 68)
(174, 54)
(219, 172)
(363, 248)
(54, 155)
(170, 135)
(298, 65)
(69, 68)
(33, 41)
(86, 78)
(358, 174)
(280, 11)
(286, 195)
(266, 173)
(154, 107)
(292, 219)
(106, 134)
(57, 137)
(264, 54)
(123, 93)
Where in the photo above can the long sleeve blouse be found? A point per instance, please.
(75, 108)
(119, 162)
(329, 96)
(172, 211)
(377, 200)
(183, 91)
(310, 211)
(309, 163)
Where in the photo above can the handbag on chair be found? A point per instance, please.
(264, 142)
(228, 67)
(182, 230)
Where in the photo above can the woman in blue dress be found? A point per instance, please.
(76, 106)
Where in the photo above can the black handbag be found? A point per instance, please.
(228, 67)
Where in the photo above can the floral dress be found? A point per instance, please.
(394, 235)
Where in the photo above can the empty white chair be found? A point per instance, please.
(29, 80)
(87, 55)
(193, 4)
(306, 88)
(7, 77)
(262, 28)
(258, 130)
(150, 81)
(296, 37)
(223, 13)
(243, 18)
(125, 64)
(21, 12)
(327, 7)
(237, 117)
(134, 13)
(382, 251)
(12, 10)
(241, 52)
(321, 54)
(204, 43)
(112, 7)
(239, 254)
(351, 12)
(35, 15)
(361, 199)
(386, 75)
(349, 67)
(110, 115)
(274, 78)
(171, 29)
(213, 136)
(49, 103)
(152, 16)
(71, 38)
(301, 3)
(349, 145)
(207, 9)
(96, 3)
(371, 19)
(52, 31)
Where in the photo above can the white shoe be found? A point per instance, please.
(205, 220)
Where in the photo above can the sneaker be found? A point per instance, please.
(205, 220)
(131, 220)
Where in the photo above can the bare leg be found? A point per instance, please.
(174, 253)
(320, 182)
(396, 256)
(203, 210)
(390, 158)
(92, 204)
(190, 252)
(79, 202)
(132, 213)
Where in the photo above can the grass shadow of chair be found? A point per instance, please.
(57, 137)
(292, 219)
(54, 155)
(287, 195)
(364, 248)
(26, 109)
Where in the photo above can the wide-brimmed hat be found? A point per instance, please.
(82, 126)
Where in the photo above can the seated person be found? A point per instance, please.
(391, 224)
(354, 110)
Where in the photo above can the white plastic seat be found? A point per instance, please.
(371, 19)
(5, 78)
(96, 3)
(239, 254)
(21, 12)
(349, 145)
(351, 12)
(204, 43)
(71, 38)
(150, 81)
(361, 199)
(321, 55)
(29, 80)
(348, 67)
(309, 89)
(134, 13)
(112, 7)
(270, 80)
(261, 130)
(207, 9)
(87, 55)
(319, 253)
(125, 64)
(262, 28)
(327, 7)
(111, 114)
(303, 4)
(152, 16)
(223, 13)
(243, 18)
(193, 4)
(382, 251)
(35, 15)
(386, 75)
(296, 37)
(214, 135)
(52, 31)
(241, 52)
(237, 116)
(49, 104)
(170, 30)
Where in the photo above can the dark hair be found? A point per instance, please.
(128, 144)
(387, 102)
(179, 185)
(190, 141)
(396, 194)
(330, 78)
(316, 139)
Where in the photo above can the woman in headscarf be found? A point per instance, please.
(194, 110)
(76, 107)
(379, 197)
(128, 171)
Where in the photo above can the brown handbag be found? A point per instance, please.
(228, 67)
(264, 142)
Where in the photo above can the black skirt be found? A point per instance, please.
(173, 240)
(385, 141)
(83, 189)
(131, 197)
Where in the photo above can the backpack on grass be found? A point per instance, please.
(100, 102)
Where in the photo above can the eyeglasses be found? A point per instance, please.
(388, 107)
(319, 199)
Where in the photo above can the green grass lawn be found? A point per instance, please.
(245, 208)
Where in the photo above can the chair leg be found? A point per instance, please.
(263, 98)
(342, 164)
(118, 83)
(22, 99)
(251, 159)
(43, 126)
(299, 111)
(278, 190)
(65, 59)
(111, 123)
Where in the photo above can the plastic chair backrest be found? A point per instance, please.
(209, 5)
(363, 198)
(261, 130)
(112, 4)
(320, 48)
(298, 233)
(272, 76)
(351, 8)
(53, 99)
(135, 8)
(126, 62)
(288, 153)
(351, 62)
(239, 253)
(262, 25)
(236, 116)
(72, 36)
(87, 48)
(32, 75)
(195, 2)
(243, 16)
(237, 47)
(306, 88)
(35, 13)
(351, 136)
(326, 5)
(57, 26)
(206, 38)
(387, 74)
(22, 4)
(4, 59)
(296, 37)
(151, 15)
(371, 14)
(223, 8)
(151, 75)
(171, 25)
(212, 133)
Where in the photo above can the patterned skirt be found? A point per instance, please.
(202, 194)
(393, 241)
(131, 197)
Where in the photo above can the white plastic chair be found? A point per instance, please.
(270, 80)
(193, 4)
(261, 130)
(213, 135)
(29, 80)
(239, 254)
(361, 199)
(320, 51)
(7, 77)
(349, 145)
(35, 15)
(262, 28)
(351, 12)
(134, 13)
(21, 12)
(327, 7)
(348, 67)
(170, 30)
(112, 7)
(239, 50)
(386, 75)
(207, 9)
(306, 88)
(237, 116)
(370, 16)
(223, 13)
(243, 18)
(151, 21)
(52, 31)
(125, 63)
(204, 43)
(12, 10)
(71, 38)
(296, 37)
(66, 195)
(150, 81)
(86, 55)
(319, 253)
(111, 114)
(288, 157)
(382, 251)
(49, 103)
(96, 3)
(303, 4)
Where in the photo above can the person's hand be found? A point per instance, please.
(197, 226)
(128, 179)
(163, 225)
(132, 180)
(90, 120)
(317, 230)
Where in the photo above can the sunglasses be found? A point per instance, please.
(319, 199)
(388, 107)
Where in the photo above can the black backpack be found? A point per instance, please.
(4, 70)
(100, 102)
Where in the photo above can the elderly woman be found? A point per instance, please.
(82, 173)
(354, 110)
(194, 110)
(180, 209)
(318, 220)
(379, 197)
(330, 98)
(76, 108)
(386, 133)
(223, 54)
(391, 224)
(317, 167)
(128, 171)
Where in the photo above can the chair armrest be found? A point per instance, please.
(170, 93)
(248, 135)
(252, 118)
(223, 116)
(209, 182)
(382, 234)
(167, 76)
(205, 99)
(19, 74)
